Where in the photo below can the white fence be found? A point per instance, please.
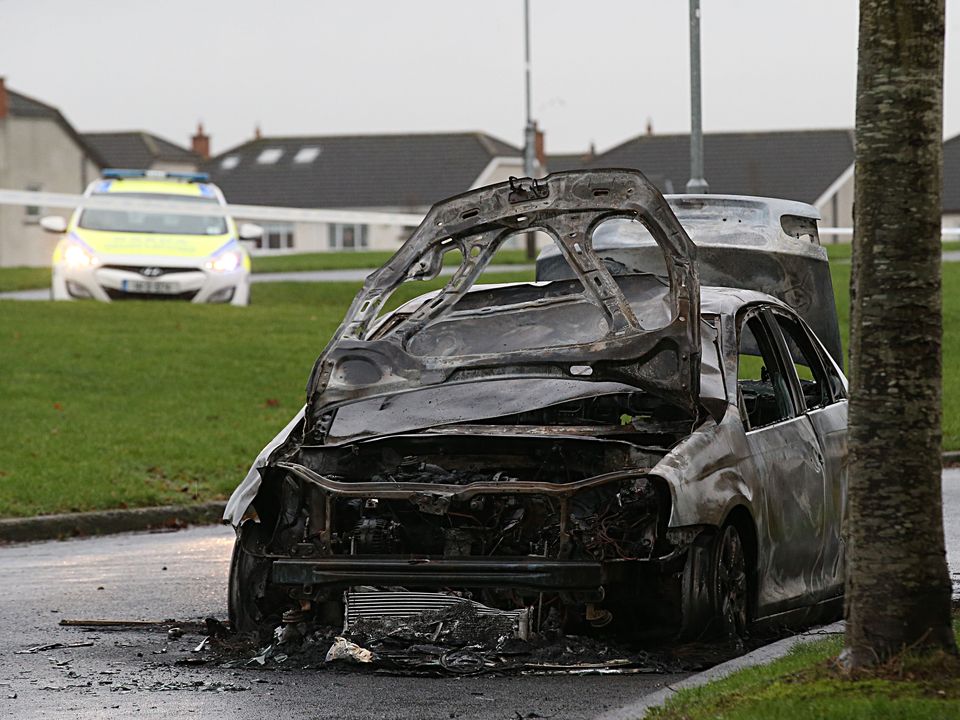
(262, 213)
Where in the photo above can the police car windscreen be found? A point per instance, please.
(153, 222)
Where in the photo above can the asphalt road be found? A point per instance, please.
(183, 575)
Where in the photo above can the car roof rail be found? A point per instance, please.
(124, 174)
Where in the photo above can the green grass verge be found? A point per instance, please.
(30, 278)
(140, 403)
(805, 685)
(358, 260)
(143, 403)
(951, 341)
(24, 278)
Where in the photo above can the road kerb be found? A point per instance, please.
(106, 522)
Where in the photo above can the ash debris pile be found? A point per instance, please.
(391, 632)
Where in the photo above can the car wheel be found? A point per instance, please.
(730, 585)
(715, 596)
(249, 576)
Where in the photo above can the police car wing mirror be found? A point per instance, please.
(54, 224)
(249, 231)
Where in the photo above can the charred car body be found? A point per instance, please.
(611, 442)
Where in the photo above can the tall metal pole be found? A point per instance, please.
(530, 129)
(696, 183)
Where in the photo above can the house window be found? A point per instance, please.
(269, 156)
(32, 213)
(348, 237)
(229, 162)
(306, 154)
(276, 236)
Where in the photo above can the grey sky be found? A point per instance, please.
(600, 68)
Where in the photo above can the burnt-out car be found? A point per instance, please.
(611, 443)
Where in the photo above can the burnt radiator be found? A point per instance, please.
(378, 605)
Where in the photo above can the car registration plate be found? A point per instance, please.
(157, 287)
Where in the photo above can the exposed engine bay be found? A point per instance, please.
(564, 483)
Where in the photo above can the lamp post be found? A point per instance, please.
(696, 183)
(530, 129)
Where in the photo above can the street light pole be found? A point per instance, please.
(530, 129)
(696, 183)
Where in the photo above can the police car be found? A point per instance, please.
(125, 251)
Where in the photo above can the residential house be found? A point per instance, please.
(141, 150)
(951, 183)
(39, 150)
(395, 173)
(812, 166)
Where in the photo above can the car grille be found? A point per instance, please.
(115, 294)
(140, 268)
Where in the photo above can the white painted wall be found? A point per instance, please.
(169, 166)
(36, 152)
(836, 207)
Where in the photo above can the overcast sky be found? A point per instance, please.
(298, 67)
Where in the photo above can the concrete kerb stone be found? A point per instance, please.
(105, 522)
(760, 656)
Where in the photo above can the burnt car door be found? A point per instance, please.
(783, 445)
(820, 388)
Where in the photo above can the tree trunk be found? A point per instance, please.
(898, 588)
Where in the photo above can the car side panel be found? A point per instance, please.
(830, 423)
(791, 552)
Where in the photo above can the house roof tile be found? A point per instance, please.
(356, 171)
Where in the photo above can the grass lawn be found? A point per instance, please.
(365, 259)
(23, 278)
(805, 685)
(951, 341)
(26, 278)
(142, 403)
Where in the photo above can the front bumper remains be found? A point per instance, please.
(536, 574)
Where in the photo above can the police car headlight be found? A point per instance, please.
(225, 261)
(76, 255)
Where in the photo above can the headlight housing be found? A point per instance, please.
(228, 259)
(78, 255)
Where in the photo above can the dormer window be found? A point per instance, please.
(306, 154)
(269, 156)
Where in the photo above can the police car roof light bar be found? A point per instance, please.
(122, 174)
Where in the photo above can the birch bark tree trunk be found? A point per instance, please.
(898, 588)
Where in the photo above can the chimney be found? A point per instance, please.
(649, 126)
(592, 152)
(256, 132)
(201, 143)
(539, 148)
(4, 100)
